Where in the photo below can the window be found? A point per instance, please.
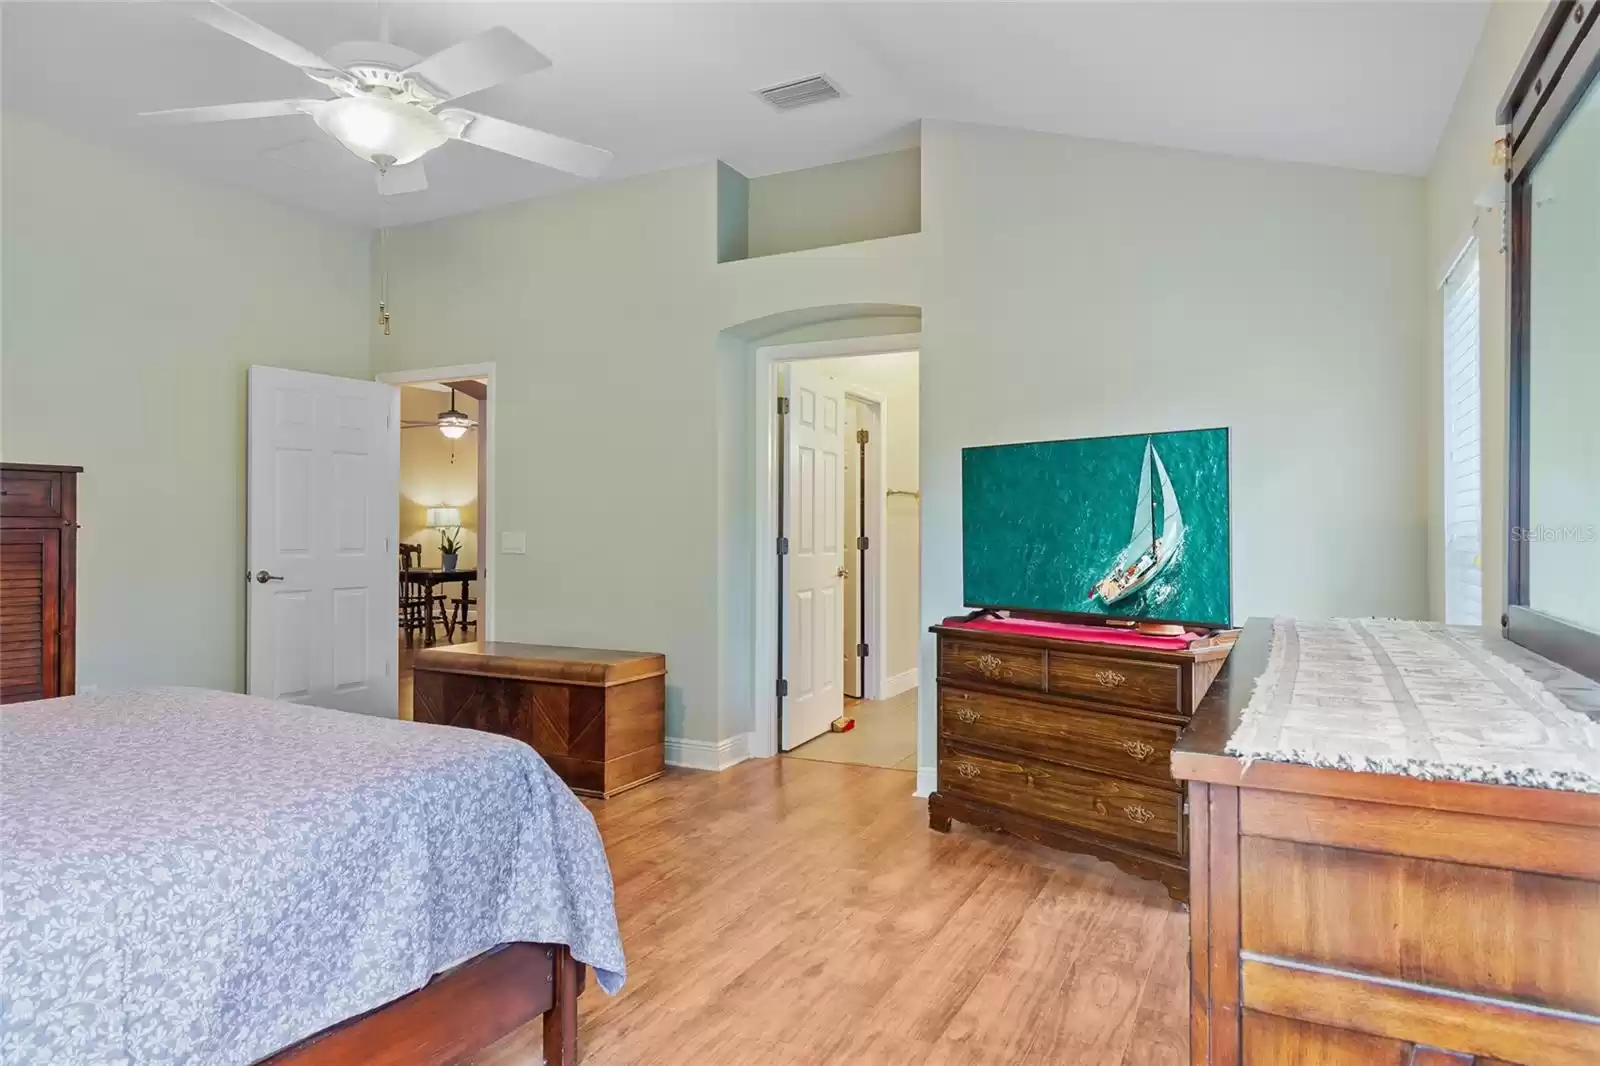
(1463, 445)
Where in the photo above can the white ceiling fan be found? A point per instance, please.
(390, 108)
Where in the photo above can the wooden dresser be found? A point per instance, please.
(1067, 743)
(597, 717)
(1358, 918)
(38, 580)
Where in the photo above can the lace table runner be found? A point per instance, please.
(1422, 700)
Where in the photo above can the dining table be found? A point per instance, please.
(431, 577)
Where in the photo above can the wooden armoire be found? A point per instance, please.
(38, 580)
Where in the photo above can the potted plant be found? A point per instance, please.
(449, 547)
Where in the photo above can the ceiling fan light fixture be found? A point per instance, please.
(373, 127)
(453, 423)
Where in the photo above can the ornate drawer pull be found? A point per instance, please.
(1138, 749)
(967, 714)
(989, 666)
(966, 769)
(1138, 815)
(1109, 678)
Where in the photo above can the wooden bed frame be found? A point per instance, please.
(460, 1013)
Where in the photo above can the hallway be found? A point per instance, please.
(885, 735)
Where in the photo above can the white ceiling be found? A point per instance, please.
(1355, 84)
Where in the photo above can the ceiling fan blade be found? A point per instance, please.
(401, 179)
(230, 112)
(535, 146)
(496, 55)
(256, 35)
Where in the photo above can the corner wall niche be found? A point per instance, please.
(857, 200)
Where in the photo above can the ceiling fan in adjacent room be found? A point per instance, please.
(452, 423)
(389, 108)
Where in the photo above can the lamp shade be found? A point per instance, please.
(444, 517)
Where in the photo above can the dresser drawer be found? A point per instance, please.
(1129, 682)
(1142, 814)
(1130, 747)
(30, 493)
(991, 664)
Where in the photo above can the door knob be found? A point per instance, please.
(262, 577)
(843, 572)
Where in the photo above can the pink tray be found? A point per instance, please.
(1127, 638)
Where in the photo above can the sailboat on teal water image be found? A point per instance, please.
(1148, 551)
(1132, 526)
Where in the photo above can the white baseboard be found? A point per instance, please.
(927, 779)
(895, 684)
(706, 754)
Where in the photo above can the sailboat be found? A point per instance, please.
(1147, 553)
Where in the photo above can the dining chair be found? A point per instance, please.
(419, 603)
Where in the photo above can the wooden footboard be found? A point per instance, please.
(460, 1013)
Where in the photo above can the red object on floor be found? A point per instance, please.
(1026, 627)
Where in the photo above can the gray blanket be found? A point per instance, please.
(201, 877)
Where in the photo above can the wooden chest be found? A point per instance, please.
(597, 717)
(1068, 743)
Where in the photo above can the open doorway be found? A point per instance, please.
(847, 604)
(444, 490)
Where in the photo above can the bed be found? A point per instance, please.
(202, 877)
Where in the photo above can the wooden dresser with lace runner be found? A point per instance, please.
(1068, 743)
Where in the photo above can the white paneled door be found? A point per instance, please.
(322, 499)
(814, 525)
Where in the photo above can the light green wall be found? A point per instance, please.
(134, 299)
(733, 214)
(1078, 288)
(596, 309)
(622, 401)
(1462, 171)
(856, 200)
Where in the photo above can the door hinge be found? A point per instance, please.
(783, 405)
(783, 545)
(862, 650)
(783, 688)
(861, 436)
(861, 543)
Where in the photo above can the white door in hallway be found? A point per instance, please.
(322, 516)
(852, 589)
(814, 526)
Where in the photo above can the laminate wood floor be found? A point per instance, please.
(793, 913)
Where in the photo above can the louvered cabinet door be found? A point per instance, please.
(30, 599)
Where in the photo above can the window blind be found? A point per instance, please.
(1463, 445)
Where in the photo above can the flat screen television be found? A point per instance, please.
(1132, 527)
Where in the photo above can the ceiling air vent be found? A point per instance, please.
(802, 93)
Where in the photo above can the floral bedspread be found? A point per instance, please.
(202, 877)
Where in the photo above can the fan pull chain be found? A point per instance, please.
(383, 278)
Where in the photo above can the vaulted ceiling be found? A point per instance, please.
(1354, 84)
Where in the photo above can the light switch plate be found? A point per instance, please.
(513, 544)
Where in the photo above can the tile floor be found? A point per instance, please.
(885, 735)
